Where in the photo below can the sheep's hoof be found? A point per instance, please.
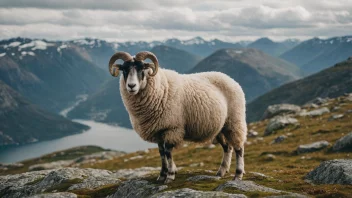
(238, 177)
(168, 180)
(221, 172)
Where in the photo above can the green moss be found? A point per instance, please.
(35, 181)
(102, 191)
(64, 185)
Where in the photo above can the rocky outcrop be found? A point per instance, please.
(50, 165)
(137, 188)
(316, 146)
(189, 193)
(279, 139)
(280, 109)
(135, 173)
(344, 143)
(332, 172)
(279, 122)
(316, 112)
(55, 195)
(246, 186)
(203, 177)
(31, 183)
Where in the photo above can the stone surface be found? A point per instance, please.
(332, 172)
(189, 193)
(135, 173)
(246, 186)
(137, 188)
(270, 157)
(51, 165)
(280, 109)
(279, 139)
(55, 195)
(336, 116)
(344, 143)
(31, 183)
(316, 146)
(98, 157)
(279, 122)
(319, 101)
(252, 133)
(202, 178)
(316, 112)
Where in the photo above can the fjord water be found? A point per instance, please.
(103, 135)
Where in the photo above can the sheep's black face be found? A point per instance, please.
(134, 74)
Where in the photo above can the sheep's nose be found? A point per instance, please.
(131, 85)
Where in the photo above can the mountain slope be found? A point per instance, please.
(49, 74)
(175, 59)
(317, 54)
(22, 122)
(254, 70)
(273, 48)
(331, 82)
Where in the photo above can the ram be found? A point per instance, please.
(168, 108)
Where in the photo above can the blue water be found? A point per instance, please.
(103, 135)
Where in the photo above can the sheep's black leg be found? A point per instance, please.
(164, 163)
(239, 163)
(226, 158)
(171, 165)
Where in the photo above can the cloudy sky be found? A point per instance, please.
(122, 20)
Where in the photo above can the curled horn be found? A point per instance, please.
(141, 56)
(114, 68)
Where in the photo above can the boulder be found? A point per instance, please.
(316, 146)
(203, 177)
(55, 195)
(246, 186)
(279, 122)
(31, 183)
(252, 133)
(189, 193)
(344, 143)
(316, 112)
(280, 109)
(137, 188)
(335, 117)
(337, 171)
(135, 173)
(318, 101)
(51, 165)
(279, 139)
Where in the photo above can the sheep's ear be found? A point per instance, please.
(114, 69)
(148, 68)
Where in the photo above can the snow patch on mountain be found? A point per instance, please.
(2, 54)
(36, 45)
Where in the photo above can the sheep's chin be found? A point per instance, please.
(134, 92)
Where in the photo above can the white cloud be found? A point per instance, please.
(160, 19)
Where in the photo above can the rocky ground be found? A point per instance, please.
(293, 152)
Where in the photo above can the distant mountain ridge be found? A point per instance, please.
(331, 82)
(23, 122)
(254, 70)
(273, 48)
(317, 54)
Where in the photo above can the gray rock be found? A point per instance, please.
(135, 173)
(279, 122)
(51, 165)
(316, 112)
(55, 195)
(318, 101)
(203, 177)
(336, 116)
(246, 186)
(98, 157)
(316, 146)
(137, 188)
(279, 139)
(344, 143)
(189, 193)
(270, 157)
(31, 183)
(349, 111)
(252, 133)
(337, 171)
(280, 109)
(12, 165)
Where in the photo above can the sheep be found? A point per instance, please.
(168, 108)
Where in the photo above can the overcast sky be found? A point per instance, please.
(132, 20)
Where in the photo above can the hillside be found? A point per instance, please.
(331, 82)
(254, 70)
(274, 167)
(49, 74)
(273, 48)
(175, 59)
(317, 54)
(23, 122)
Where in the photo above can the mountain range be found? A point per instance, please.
(317, 54)
(23, 122)
(331, 82)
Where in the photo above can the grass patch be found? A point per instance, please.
(102, 191)
(64, 185)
